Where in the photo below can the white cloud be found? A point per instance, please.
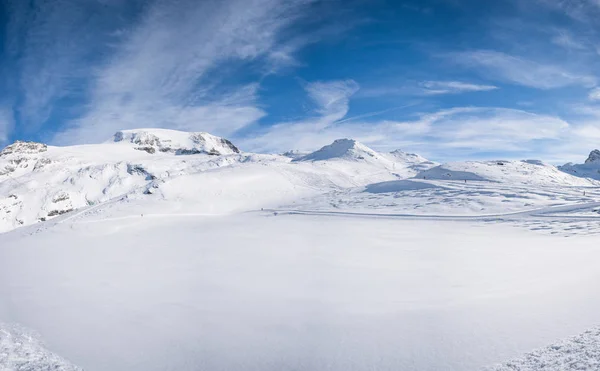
(453, 87)
(461, 130)
(565, 40)
(332, 98)
(6, 124)
(581, 10)
(51, 41)
(332, 104)
(505, 67)
(169, 68)
(594, 94)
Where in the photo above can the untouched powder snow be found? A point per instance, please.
(114, 290)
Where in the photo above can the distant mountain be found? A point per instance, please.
(199, 171)
(350, 150)
(347, 149)
(294, 154)
(177, 142)
(518, 172)
(589, 169)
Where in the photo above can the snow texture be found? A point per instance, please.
(21, 350)
(579, 353)
(170, 250)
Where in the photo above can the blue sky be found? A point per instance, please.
(449, 79)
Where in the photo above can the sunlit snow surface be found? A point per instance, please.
(349, 260)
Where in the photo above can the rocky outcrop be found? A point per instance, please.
(20, 147)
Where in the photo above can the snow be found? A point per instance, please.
(21, 350)
(589, 169)
(179, 142)
(513, 172)
(342, 148)
(121, 258)
(164, 291)
(398, 186)
(42, 182)
(581, 352)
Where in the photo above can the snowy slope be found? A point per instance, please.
(531, 172)
(38, 182)
(112, 290)
(155, 254)
(21, 350)
(201, 172)
(173, 141)
(351, 154)
(581, 352)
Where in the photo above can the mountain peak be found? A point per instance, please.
(594, 157)
(21, 147)
(341, 148)
(174, 141)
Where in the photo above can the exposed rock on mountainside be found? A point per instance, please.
(20, 147)
(38, 182)
(177, 142)
(589, 169)
(594, 157)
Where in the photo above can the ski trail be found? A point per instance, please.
(139, 216)
(546, 212)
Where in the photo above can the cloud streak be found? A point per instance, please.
(453, 87)
(7, 123)
(517, 70)
(160, 76)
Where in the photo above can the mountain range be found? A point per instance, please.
(206, 173)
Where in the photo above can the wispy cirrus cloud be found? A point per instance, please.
(594, 94)
(331, 99)
(581, 10)
(49, 42)
(464, 131)
(426, 88)
(7, 123)
(160, 73)
(519, 70)
(566, 40)
(453, 87)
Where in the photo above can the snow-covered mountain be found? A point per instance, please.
(355, 154)
(589, 169)
(343, 149)
(515, 172)
(202, 173)
(197, 171)
(178, 142)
